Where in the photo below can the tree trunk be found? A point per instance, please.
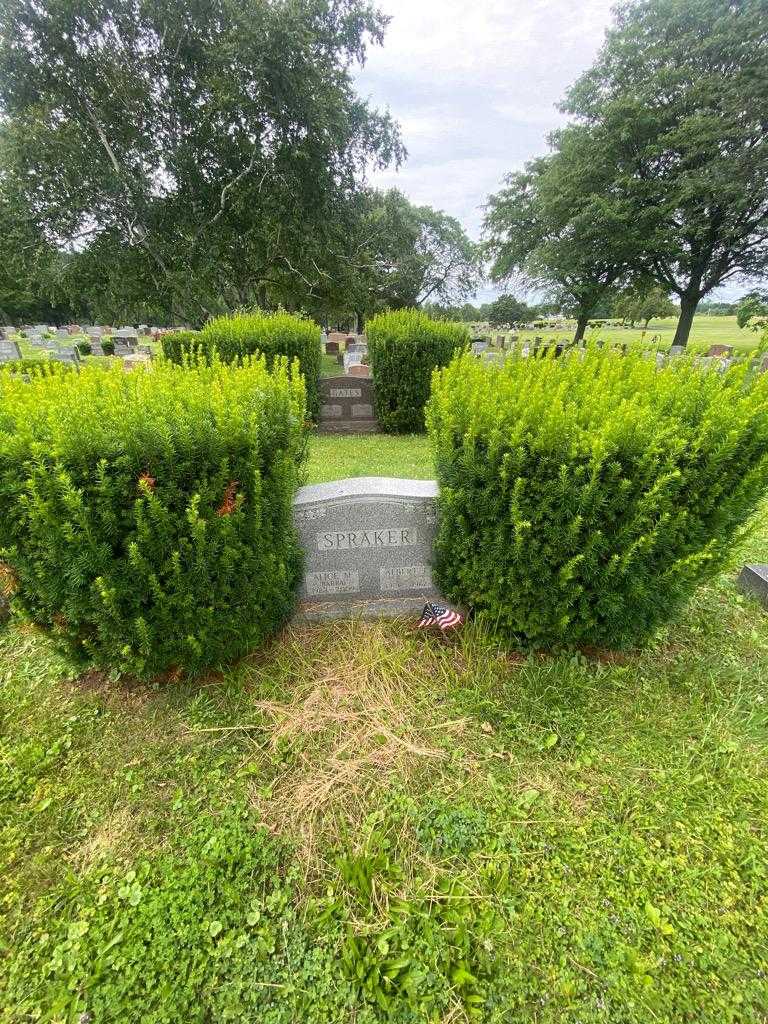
(581, 326)
(688, 304)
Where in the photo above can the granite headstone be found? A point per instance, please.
(347, 406)
(367, 545)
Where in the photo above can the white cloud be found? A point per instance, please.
(475, 86)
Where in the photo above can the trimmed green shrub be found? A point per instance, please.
(176, 343)
(107, 346)
(405, 347)
(583, 499)
(274, 334)
(146, 517)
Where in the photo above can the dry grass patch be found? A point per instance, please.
(115, 837)
(352, 728)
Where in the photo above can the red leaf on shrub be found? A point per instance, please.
(147, 482)
(228, 504)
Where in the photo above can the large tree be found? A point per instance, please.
(416, 254)
(401, 255)
(509, 310)
(645, 302)
(557, 226)
(677, 101)
(210, 150)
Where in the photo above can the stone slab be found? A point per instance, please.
(348, 402)
(363, 370)
(9, 351)
(753, 580)
(367, 545)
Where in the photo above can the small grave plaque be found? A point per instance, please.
(367, 545)
(332, 348)
(361, 370)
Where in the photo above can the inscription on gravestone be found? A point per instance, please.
(367, 545)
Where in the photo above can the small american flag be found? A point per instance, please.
(439, 615)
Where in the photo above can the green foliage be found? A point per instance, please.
(685, 143)
(558, 225)
(407, 255)
(582, 501)
(146, 517)
(25, 366)
(242, 334)
(107, 346)
(433, 948)
(754, 305)
(221, 914)
(507, 310)
(176, 343)
(644, 303)
(176, 208)
(406, 346)
(581, 851)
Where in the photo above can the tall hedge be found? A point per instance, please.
(583, 500)
(145, 518)
(243, 334)
(176, 343)
(405, 347)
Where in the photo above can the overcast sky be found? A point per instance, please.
(474, 85)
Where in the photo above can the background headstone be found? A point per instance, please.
(66, 355)
(367, 546)
(360, 370)
(352, 359)
(347, 406)
(9, 351)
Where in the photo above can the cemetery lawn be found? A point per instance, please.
(363, 824)
(706, 331)
(336, 456)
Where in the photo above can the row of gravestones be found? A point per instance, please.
(720, 356)
(125, 344)
(10, 352)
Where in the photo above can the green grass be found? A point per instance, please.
(335, 456)
(329, 366)
(363, 824)
(706, 331)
